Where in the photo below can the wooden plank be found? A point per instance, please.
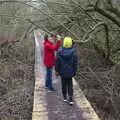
(45, 104)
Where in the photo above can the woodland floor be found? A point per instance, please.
(16, 93)
(16, 89)
(92, 88)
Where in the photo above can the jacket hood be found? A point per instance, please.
(66, 53)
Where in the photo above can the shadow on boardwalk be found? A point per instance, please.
(59, 110)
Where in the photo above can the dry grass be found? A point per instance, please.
(100, 82)
(17, 80)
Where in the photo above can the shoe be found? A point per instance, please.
(46, 87)
(71, 101)
(65, 100)
(51, 90)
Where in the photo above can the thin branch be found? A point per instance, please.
(68, 18)
(26, 32)
(97, 3)
(39, 26)
(112, 9)
(53, 19)
(9, 16)
(109, 93)
(112, 18)
(87, 37)
(14, 1)
(83, 10)
(2, 79)
(106, 14)
(89, 32)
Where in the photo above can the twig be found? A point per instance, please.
(2, 79)
(106, 14)
(41, 11)
(109, 93)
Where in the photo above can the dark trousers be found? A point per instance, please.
(67, 87)
(48, 82)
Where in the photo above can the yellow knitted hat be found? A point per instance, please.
(67, 43)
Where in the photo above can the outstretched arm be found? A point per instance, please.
(53, 47)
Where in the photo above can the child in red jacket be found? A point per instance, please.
(49, 58)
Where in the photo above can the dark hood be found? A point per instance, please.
(66, 53)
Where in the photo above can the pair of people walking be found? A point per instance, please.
(65, 64)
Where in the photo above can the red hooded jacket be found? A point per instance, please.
(49, 55)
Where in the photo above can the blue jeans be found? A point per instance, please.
(48, 82)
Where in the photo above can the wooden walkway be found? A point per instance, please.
(50, 106)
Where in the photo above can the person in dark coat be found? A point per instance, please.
(49, 58)
(66, 66)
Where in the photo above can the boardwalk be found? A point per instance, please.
(50, 106)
